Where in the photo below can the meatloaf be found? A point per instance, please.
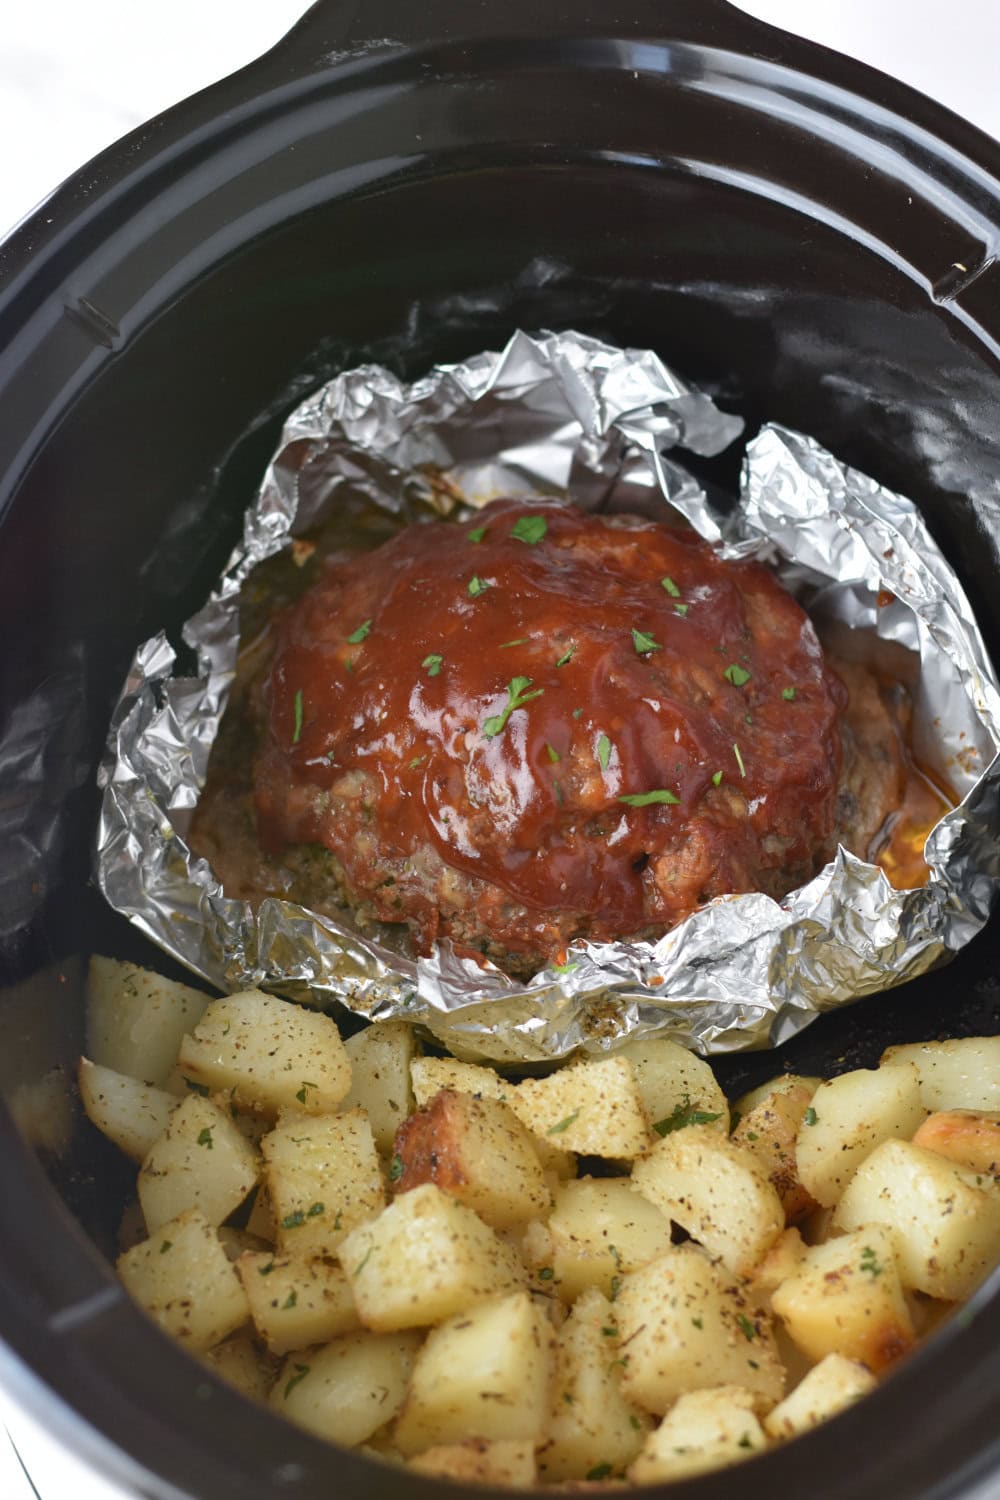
(541, 725)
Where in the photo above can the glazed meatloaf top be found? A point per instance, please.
(541, 725)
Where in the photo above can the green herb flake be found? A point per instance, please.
(716, 778)
(522, 640)
(300, 1094)
(739, 759)
(646, 799)
(478, 534)
(433, 663)
(297, 731)
(644, 643)
(869, 1262)
(165, 1246)
(577, 712)
(553, 755)
(753, 1364)
(516, 697)
(698, 1322)
(599, 1471)
(746, 1327)
(362, 1263)
(559, 793)
(567, 1397)
(361, 634)
(289, 1301)
(604, 749)
(301, 1371)
(788, 694)
(205, 1138)
(563, 1124)
(609, 1333)
(315, 1210)
(197, 1088)
(737, 675)
(745, 1441)
(396, 1168)
(294, 1220)
(684, 1114)
(634, 1421)
(565, 968)
(671, 587)
(546, 1273)
(810, 1117)
(680, 609)
(417, 762)
(613, 1251)
(567, 656)
(529, 529)
(476, 586)
(265, 1270)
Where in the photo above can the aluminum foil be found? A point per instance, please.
(566, 415)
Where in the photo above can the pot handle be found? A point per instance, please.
(332, 28)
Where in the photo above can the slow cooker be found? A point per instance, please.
(813, 242)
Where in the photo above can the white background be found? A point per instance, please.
(77, 74)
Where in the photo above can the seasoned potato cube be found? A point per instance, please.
(960, 1074)
(269, 1053)
(591, 1424)
(478, 1151)
(675, 1085)
(200, 1161)
(295, 1302)
(323, 1179)
(136, 1020)
(486, 1373)
(348, 1389)
(781, 1261)
(705, 1430)
(598, 1230)
(848, 1117)
(719, 1193)
(970, 1138)
(505, 1464)
(432, 1074)
(183, 1279)
(769, 1132)
(845, 1297)
(947, 1221)
(593, 1107)
(831, 1386)
(685, 1324)
(242, 1364)
(380, 1058)
(128, 1112)
(425, 1258)
(782, 1083)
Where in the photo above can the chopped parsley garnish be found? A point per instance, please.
(516, 696)
(433, 663)
(745, 1441)
(810, 1117)
(698, 1322)
(477, 586)
(869, 1262)
(644, 643)
(634, 1421)
(683, 1114)
(716, 778)
(165, 1246)
(565, 968)
(604, 749)
(646, 799)
(563, 1124)
(478, 534)
(297, 731)
(522, 640)
(301, 1371)
(266, 1270)
(566, 656)
(553, 755)
(290, 1301)
(396, 1168)
(746, 1327)
(671, 587)
(205, 1138)
(546, 1273)
(615, 1254)
(294, 1220)
(529, 529)
(739, 759)
(609, 1333)
(417, 761)
(300, 1094)
(680, 609)
(736, 674)
(616, 1286)
(599, 1471)
(788, 694)
(362, 1263)
(577, 712)
(315, 1209)
(359, 635)
(559, 793)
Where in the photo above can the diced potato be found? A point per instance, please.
(598, 1230)
(845, 1297)
(968, 1137)
(947, 1220)
(591, 1424)
(136, 1020)
(780, 1084)
(200, 1161)
(269, 1053)
(960, 1074)
(686, 1324)
(130, 1113)
(295, 1302)
(432, 1074)
(486, 1373)
(181, 1276)
(242, 1364)
(716, 1191)
(504, 1464)
(380, 1058)
(781, 1261)
(593, 1107)
(831, 1386)
(424, 1259)
(349, 1388)
(769, 1132)
(705, 1430)
(848, 1117)
(675, 1084)
(478, 1151)
(323, 1178)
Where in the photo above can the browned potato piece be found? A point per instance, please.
(505, 1463)
(477, 1151)
(769, 1131)
(969, 1137)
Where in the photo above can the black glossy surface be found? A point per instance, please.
(777, 222)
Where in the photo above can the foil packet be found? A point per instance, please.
(566, 415)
